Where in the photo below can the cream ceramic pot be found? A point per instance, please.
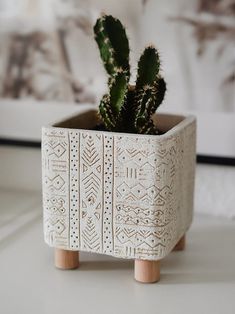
(125, 195)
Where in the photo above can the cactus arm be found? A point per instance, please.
(127, 116)
(113, 44)
(147, 103)
(150, 90)
(119, 42)
(145, 107)
(106, 51)
(160, 92)
(145, 100)
(106, 114)
(148, 68)
(148, 128)
(111, 104)
(118, 90)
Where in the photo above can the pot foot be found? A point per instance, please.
(180, 246)
(147, 271)
(65, 259)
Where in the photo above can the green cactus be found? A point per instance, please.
(111, 38)
(128, 108)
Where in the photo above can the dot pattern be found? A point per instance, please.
(74, 190)
(108, 194)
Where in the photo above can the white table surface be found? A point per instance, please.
(199, 280)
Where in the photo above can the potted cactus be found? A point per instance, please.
(120, 182)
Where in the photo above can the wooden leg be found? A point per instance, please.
(147, 271)
(65, 259)
(180, 246)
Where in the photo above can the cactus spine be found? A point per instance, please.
(127, 108)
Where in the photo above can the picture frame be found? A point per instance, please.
(188, 68)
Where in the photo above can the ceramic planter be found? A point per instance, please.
(125, 195)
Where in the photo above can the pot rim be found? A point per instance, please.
(178, 127)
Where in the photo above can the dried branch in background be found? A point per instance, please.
(213, 19)
(38, 64)
(17, 82)
(75, 14)
(205, 30)
(38, 67)
(81, 22)
(217, 7)
(144, 2)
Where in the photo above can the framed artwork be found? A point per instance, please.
(196, 39)
(51, 62)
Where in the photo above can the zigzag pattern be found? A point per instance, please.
(140, 238)
(137, 225)
(152, 195)
(90, 155)
(92, 186)
(139, 221)
(91, 182)
(90, 238)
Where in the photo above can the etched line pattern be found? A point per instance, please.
(136, 216)
(74, 190)
(56, 187)
(91, 182)
(142, 196)
(127, 196)
(90, 237)
(55, 204)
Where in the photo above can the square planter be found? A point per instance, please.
(124, 195)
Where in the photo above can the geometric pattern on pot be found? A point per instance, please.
(124, 195)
